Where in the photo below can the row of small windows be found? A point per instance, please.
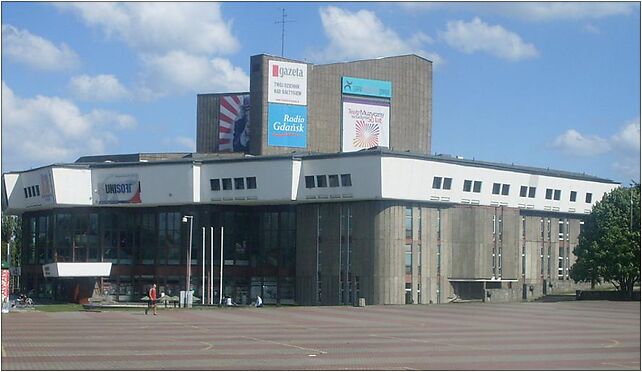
(504, 189)
(240, 183)
(331, 180)
(32, 191)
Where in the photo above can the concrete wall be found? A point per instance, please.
(411, 104)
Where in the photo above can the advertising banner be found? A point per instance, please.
(366, 87)
(119, 189)
(287, 125)
(46, 191)
(365, 124)
(5, 286)
(288, 83)
(234, 123)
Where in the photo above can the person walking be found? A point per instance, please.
(259, 302)
(152, 299)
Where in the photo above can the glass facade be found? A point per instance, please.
(149, 245)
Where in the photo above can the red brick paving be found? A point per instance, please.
(474, 336)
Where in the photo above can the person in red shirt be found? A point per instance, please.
(152, 299)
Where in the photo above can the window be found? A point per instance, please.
(408, 256)
(227, 184)
(334, 180)
(215, 184)
(531, 192)
(477, 186)
(447, 183)
(309, 182)
(522, 191)
(38, 190)
(322, 181)
(251, 183)
(549, 194)
(30, 192)
(346, 180)
(557, 194)
(436, 183)
(239, 183)
(468, 185)
(26, 194)
(573, 195)
(505, 189)
(589, 197)
(408, 223)
(560, 233)
(496, 188)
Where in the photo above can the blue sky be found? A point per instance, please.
(541, 84)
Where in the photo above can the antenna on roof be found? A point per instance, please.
(283, 22)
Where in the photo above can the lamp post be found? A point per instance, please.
(189, 256)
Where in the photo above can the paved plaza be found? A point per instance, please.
(467, 336)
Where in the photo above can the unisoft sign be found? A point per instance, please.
(288, 83)
(287, 125)
(119, 189)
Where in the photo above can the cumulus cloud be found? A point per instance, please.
(97, 88)
(159, 27)
(42, 130)
(195, 73)
(575, 143)
(361, 35)
(628, 138)
(478, 36)
(35, 51)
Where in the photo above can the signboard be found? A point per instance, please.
(365, 124)
(288, 83)
(119, 189)
(234, 123)
(5, 286)
(46, 191)
(366, 87)
(287, 125)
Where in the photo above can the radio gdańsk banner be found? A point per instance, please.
(119, 189)
(234, 123)
(365, 124)
(288, 83)
(287, 125)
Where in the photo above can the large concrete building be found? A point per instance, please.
(322, 180)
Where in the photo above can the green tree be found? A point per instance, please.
(609, 244)
(12, 235)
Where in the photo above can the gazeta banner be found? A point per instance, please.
(288, 83)
(287, 125)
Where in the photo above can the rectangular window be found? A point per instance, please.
(447, 183)
(557, 194)
(309, 182)
(549, 194)
(408, 260)
(30, 192)
(26, 194)
(37, 190)
(227, 184)
(589, 197)
(477, 186)
(322, 181)
(523, 191)
(346, 180)
(560, 233)
(505, 189)
(531, 192)
(239, 183)
(334, 180)
(468, 184)
(215, 184)
(251, 183)
(436, 183)
(408, 223)
(496, 188)
(573, 195)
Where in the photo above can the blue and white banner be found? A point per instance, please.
(287, 125)
(366, 87)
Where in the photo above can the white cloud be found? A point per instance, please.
(35, 51)
(42, 130)
(477, 36)
(159, 27)
(554, 11)
(361, 35)
(627, 140)
(196, 73)
(533, 11)
(97, 88)
(575, 143)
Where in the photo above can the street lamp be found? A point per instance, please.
(189, 256)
